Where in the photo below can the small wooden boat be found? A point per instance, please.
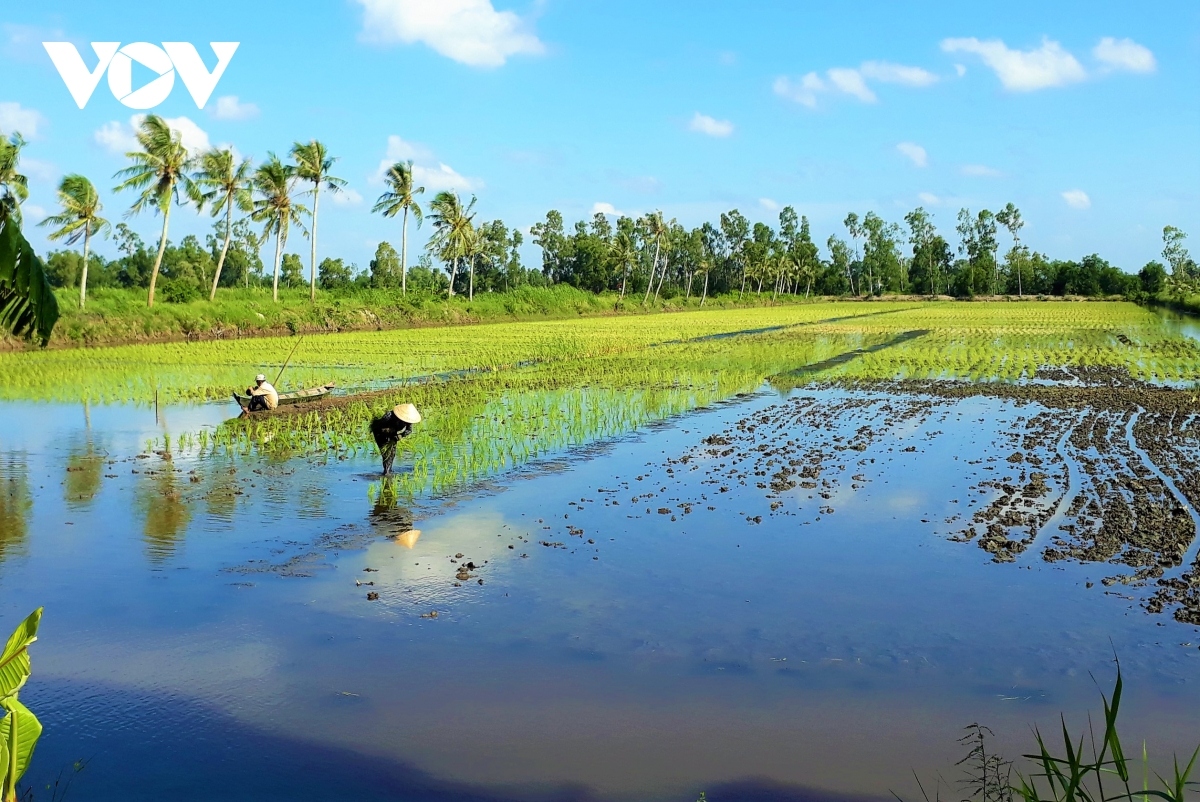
(297, 397)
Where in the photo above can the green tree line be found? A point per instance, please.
(262, 208)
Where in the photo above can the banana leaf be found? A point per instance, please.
(22, 730)
(14, 660)
(28, 308)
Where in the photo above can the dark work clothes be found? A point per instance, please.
(387, 431)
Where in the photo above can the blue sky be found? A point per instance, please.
(1086, 115)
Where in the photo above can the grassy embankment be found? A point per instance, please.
(119, 316)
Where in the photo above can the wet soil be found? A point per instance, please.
(1096, 468)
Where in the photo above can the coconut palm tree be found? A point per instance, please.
(275, 207)
(224, 183)
(625, 254)
(80, 218)
(160, 170)
(656, 230)
(452, 229)
(400, 197)
(313, 163)
(14, 187)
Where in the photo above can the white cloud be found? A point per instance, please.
(711, 126)
(119, 138)
(769, 205)
(347, 197)
(399, 150)
(1077, 199)
(803, 91)
(960, 70)
(1023, 70)
(13, 117)
(230, 108)
(928, 198)
(115, 137)
(1124, 54)
(428, 172)
(889, 73)
(471, 32)
(851, 82)
(33, 212)
(914, 153)
(40, 170)
(192, 136)
(443, 176)
(600, 207)
(980, 171)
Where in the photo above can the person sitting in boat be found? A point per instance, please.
(262, 395)
(389, 427)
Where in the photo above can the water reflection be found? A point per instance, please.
(85, 470)
(167, 513)
(221, 496)
(389, 517)
(16, 503)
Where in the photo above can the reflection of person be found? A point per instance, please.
(262, 394)
(390, 427)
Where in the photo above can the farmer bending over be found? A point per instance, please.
(262, 395)
(390, 427)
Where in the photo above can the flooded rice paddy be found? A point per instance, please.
(773, 554)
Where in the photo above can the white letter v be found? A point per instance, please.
(196, 77)
(80, 82)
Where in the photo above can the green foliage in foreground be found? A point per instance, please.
(19, 727)
(28, 307)
(1091, 768)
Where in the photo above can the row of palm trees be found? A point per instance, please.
(164, 174)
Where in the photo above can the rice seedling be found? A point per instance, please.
(367, 360)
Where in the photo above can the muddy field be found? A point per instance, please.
(741, 558)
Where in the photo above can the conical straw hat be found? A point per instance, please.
(407, 413)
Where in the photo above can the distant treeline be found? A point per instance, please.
(875, 258)
(600, 256)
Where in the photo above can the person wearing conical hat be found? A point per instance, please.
(389, 427)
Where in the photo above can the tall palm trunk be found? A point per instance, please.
(162, 246)
(662, 276)
(624, 278)
(742, 291)
(212, 295)
(705, 295)
(278, 256)
(87, 241)
(688, 295)
(453, 274)
(471, 282)
(404, 254)
(312, 262)
(653, 268)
